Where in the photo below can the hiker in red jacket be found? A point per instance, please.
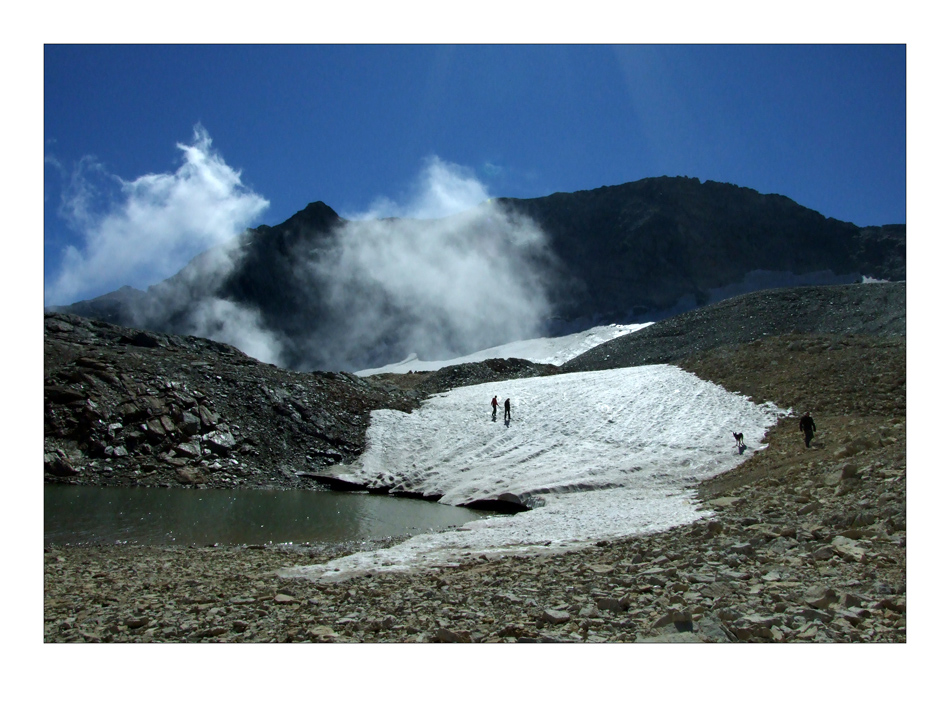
(494, 407)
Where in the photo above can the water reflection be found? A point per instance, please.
(81, 514)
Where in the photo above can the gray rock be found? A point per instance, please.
(610, 604)
(709, 630)
(190, 423)
(556, 616)
(189, 449)
(815, 614)
(735, 575)
(819, 597)
(218, 442)
(850, 470)
(208, 419)
(675, 617)
(848, 550)
(447, 635)
(853, 615)
(670, 638)
(57, 464)
(850, 600)
(749, 626)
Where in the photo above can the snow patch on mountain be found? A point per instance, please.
(595, 455)
(544, 350)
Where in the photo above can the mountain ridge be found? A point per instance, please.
(634, 252)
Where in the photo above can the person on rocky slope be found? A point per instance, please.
(807, 426)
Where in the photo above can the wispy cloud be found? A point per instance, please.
(444, 273)
(141, 231)
(441, 189)
(454, 274)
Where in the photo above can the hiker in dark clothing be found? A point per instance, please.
(494, 407)
(807, 426)
(507, 408)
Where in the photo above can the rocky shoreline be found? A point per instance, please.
(125, 407)
(801, 545)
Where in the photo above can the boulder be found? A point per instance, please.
(743, 548)
(190, 423)
(681, 620)
(57, 464)
(131, 412)
(848, 550)
(219, 443)
(140, 339)
(610, 604)
(820, 597)
(57, 394)
(850, 470)
(555, 616)
(753, 625)
(208, 419)
(188, 449)
(447, 635)
(155, 430)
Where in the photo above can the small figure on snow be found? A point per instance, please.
(740, 443)
(807, 426)
(507, 408)
(494, 407)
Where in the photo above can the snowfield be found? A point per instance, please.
(595, 455)
(543, 350)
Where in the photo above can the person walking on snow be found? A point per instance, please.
(507, 408)
(807, 426)
(494, 407)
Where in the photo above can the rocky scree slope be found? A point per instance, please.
(806, 545)
(856, 309)
(125, 406)
(130, 407)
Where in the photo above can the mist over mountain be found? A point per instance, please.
(321, 292)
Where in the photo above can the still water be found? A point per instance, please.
(85, 514)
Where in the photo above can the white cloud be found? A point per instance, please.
(237, 325)
(141, 231)
(434, 284)
(442, 189)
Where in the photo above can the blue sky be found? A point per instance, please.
(361, 127)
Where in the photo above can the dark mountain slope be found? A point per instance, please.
(635, 252)
(857, 309)
(640, 248)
